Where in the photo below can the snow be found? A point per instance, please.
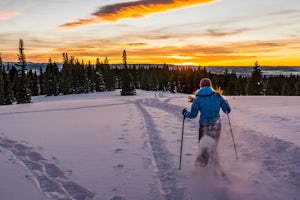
(106, 146)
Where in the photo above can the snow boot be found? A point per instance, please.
(204, 157)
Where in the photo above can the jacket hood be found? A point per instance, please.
(205, 91)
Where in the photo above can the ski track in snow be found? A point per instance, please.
(49, 178)
(161, 157)
(63, 109)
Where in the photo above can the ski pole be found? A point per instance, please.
(181, 143)
(232, 137)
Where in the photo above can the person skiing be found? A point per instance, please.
(208, 102)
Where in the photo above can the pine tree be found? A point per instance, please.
(13, 79)
(99, 81)
(255, 85)
(108, 76)
(153, 79)
(23, 94)
(135, 76)
(41, 82)
(128, 87)
(173, 82)
(35, 88)
(144, 79)
(297, 86)
(2, 95)
(51, 79)
(66, 75)
(163, 77)
(32, 76)
(232, 87)
(84, 81)
(284, 89)
(91, 74)
(8, 93)
(30, 79)
(189, 81)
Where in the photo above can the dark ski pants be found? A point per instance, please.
(213, 131)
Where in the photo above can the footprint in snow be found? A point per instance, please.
(119, 166)
(118, 150)
(117, 198)
(49, 178)
(53, 171)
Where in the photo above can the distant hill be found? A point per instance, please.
(238, 70)
(31, 65)
(266, 70)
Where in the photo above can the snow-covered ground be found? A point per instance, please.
(106, 146)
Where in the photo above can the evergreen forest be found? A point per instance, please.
(18, 84)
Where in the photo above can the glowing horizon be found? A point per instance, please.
(190, 32)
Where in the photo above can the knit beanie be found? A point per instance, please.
(205, 82)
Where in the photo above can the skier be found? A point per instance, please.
(208, 102)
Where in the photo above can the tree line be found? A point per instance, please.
(17, 84)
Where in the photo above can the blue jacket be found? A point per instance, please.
(208, 102)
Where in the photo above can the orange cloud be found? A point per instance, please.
(8, 15)
(133, 9)
(218, 33)
(137, 44)
(79, 22)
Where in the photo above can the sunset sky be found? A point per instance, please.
(198, 32)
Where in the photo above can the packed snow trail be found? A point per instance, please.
(157, 115)
(165, 170)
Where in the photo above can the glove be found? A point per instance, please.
(184, 111)
(191, 98)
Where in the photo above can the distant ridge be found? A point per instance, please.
(238, 70)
